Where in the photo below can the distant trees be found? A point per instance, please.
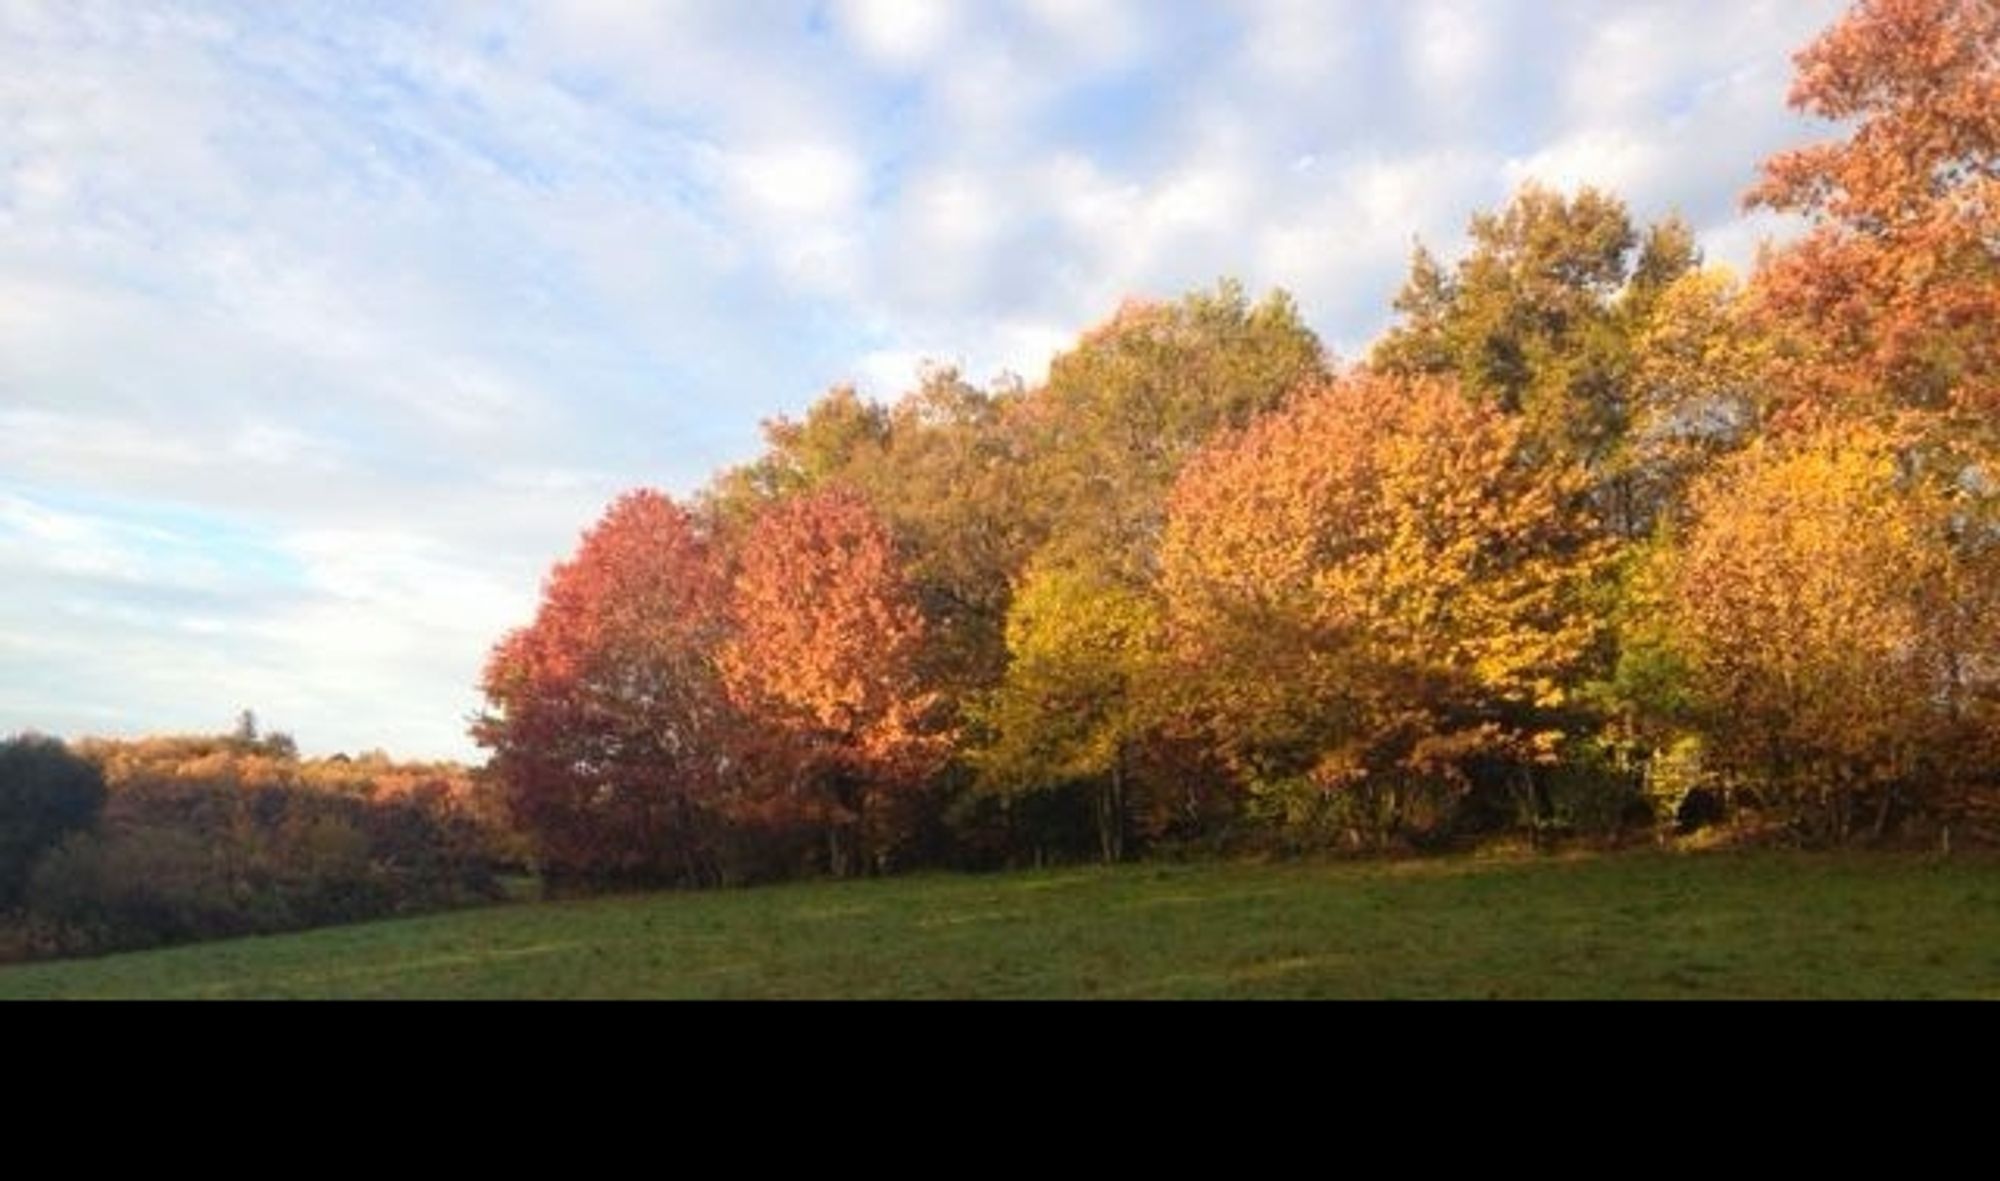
(46, 793)
(204, 836)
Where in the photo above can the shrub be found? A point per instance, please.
(46, 793)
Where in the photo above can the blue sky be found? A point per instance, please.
(326, 328)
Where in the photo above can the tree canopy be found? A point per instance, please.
(1376, 585)
(609, 722)
(1593, 517)
(1893, 295)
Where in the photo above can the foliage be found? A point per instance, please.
(1082, 651)
(975, 487)
(1373, 589)
(1538, 319)
(1137, 397)
(943, 468)
(46, 793)
(181, 859)
(839, 434)
(1699, 372)
(1893, 296)
(1841, 636)
(824, 660)
(951, 486)
(608, 722)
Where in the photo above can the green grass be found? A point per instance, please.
(1637, 925)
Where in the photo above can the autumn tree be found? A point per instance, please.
(943, 467)
(1538, 320)
(824, 658)
(840, 433)
(952, 487)
(1139, 395)
(1075, 505)
(1700, 376)
(607, 720)
(1082, 649)
(1892, 297)
(1837, 612)
(1372, 591)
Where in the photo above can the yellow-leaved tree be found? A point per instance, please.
(1837, 614)
(1082, 646)
(1375, 594)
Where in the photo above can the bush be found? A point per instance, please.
(178, 861)
(1591, 795)
(46, 793)
(133, 889)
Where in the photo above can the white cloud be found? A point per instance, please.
(899, 33)
(802, 181)
(67, 543)
(1297, 41)
(1450, 46)
(1614, 159)
(1095, 33)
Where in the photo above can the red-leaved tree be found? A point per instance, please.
(1897, 288)
(607, 719)
(824, 659)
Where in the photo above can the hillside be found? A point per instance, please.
(1689, 926)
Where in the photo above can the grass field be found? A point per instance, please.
(1644, 925)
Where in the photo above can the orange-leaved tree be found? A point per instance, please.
(825, 659)
(607, 718)
(1894, 294)
(1372, 591)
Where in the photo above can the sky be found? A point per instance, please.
(326, 328)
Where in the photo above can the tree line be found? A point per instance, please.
(113, 844)
(1597, 539)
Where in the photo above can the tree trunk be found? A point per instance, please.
(836, 863)
(1882, 813)
(1111, 814)
(859, 854)
(1525, 793)
(1118, 807)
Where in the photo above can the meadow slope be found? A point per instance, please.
(1643, 925)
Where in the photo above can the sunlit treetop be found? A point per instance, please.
(1896, 291)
